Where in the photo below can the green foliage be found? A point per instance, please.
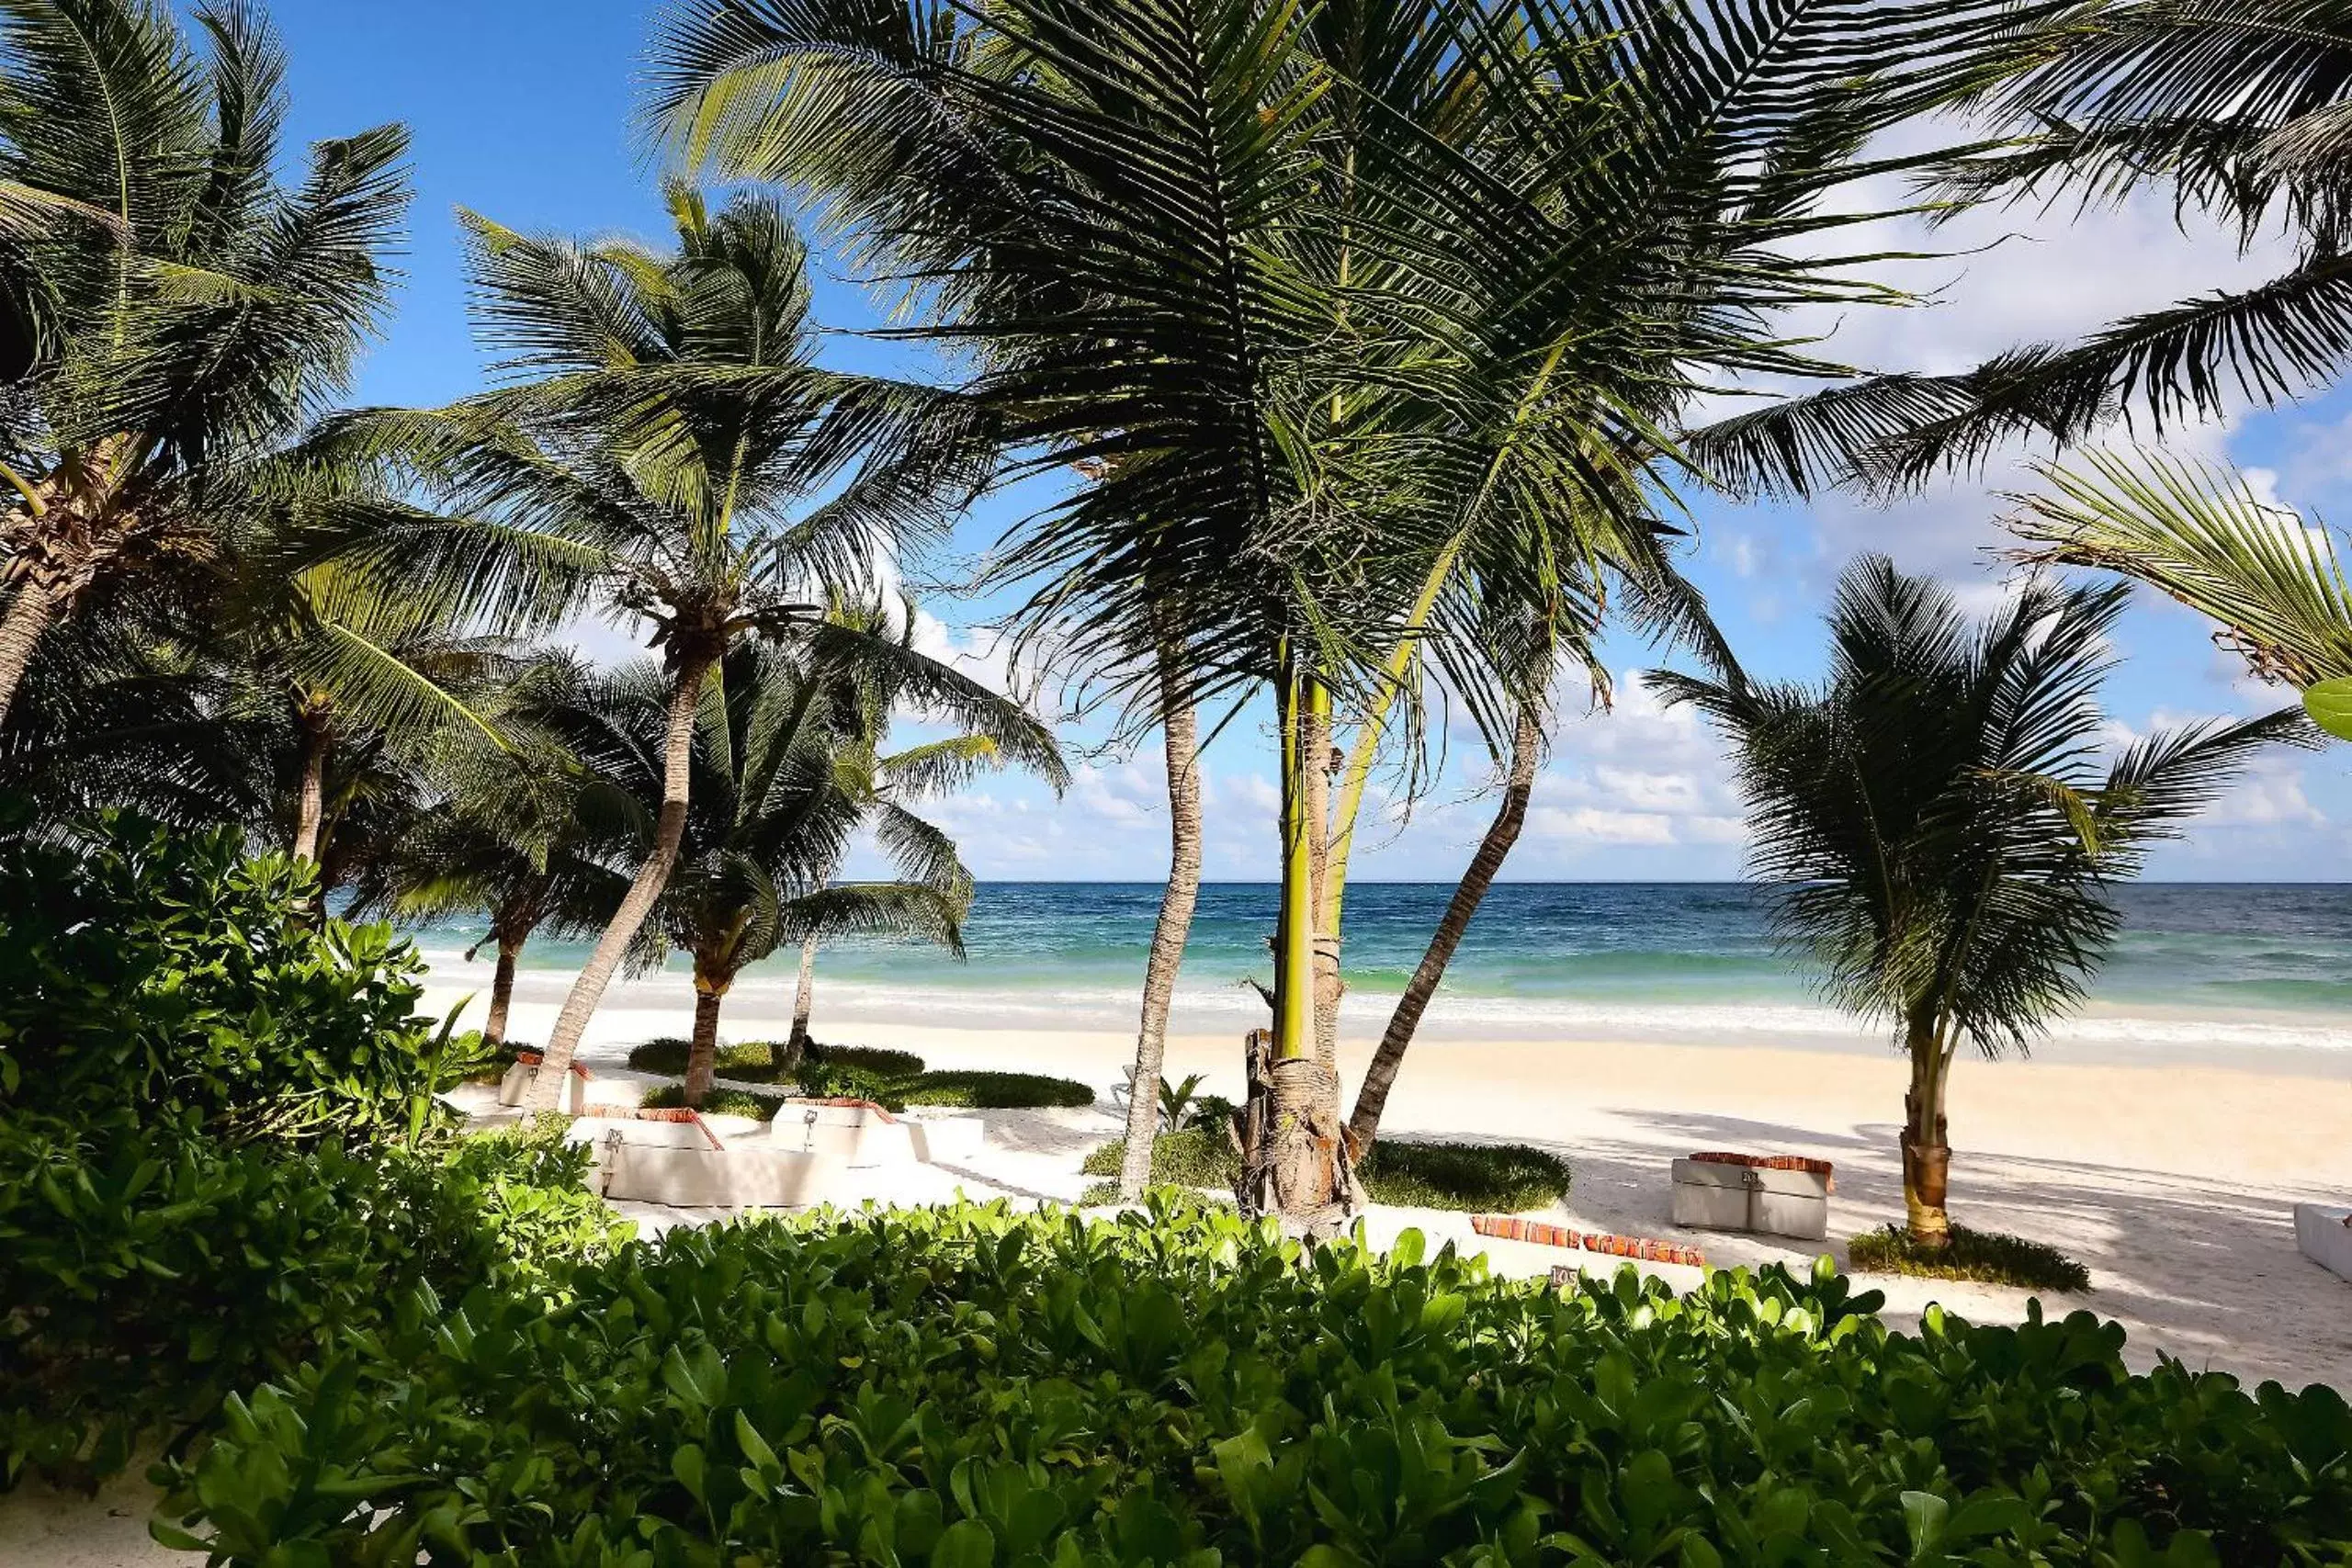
(151, 1274)
(719, 1101)
(1987, 1256)
(991, 1091)
(973, 1385)
(150, 975)
(1494, 1177)
(754, 1061)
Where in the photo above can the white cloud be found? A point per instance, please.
(1587, 824)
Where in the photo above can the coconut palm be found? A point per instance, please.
(182, 314)
(1336, 305)
(1936, 819)
(2273, 581)
(2243, 112)
(785, 777)
(663, 456)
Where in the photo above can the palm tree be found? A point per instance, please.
(785, 777)
(1338, 305)
(2239, 110)
(521, 829)
(1935, 818)
(2275, 582)
(661, 458)
(182, 314)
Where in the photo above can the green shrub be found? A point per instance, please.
(1985, 1257)
(1493, 1177)
(149, 1275)
(974, 1385)
(149, 975)
(720, 1102)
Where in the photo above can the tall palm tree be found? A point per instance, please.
(2273, 581)
(1936, 821)
(784, 779)
(1336, 304)
(193, 315)
(663, 456)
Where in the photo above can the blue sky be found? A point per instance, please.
(520, 109)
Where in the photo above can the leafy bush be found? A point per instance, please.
(1496, 1178)
(150, 1275)
(468, 1059)
(1987, 1257)
(971, 1385)
(993, 1091)
(720, 1102)
(149, 974)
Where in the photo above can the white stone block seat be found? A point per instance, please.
(947, 1140)
(516, 1085)
(2324, 1232)
(674, 1158)
(1765, 1195)
(858, 1133)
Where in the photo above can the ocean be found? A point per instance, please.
(2202, 967)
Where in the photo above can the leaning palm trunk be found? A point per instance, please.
(701, 1054)
(502, 989)
(309, 799)
(787, 1056)
(31, 610)
(1177, 901)
(1926, 1149)
(670, 829)
(1372, 1097)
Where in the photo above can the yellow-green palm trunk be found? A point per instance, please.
(1295, 931)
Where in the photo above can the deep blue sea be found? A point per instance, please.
(2217, 965)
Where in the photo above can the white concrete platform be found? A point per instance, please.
(2325, 1239)
(1756, 1199)
(515, 1087)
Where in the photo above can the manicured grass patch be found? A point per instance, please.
(1493, 1177)
(718, 1102)
(1504, 1178)
(1177, 1387)
(754, 1061)
(1985, 1257)
(748, 1060)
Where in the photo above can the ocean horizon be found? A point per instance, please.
(2222, 966)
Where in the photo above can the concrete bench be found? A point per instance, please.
(1758, 1199)
(2325, 1239)
(947, 1140)
(685, 1165)
(857, 1135)
(515, 1087)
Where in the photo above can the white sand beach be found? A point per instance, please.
(2174, 1180)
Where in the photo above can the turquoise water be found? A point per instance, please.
(2212, 964)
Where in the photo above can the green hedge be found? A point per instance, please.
(150, 1275)
(1987, 1256)
(1485, 1177)
(974, 1386)
(754, 1061)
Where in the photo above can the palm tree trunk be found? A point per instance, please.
(1372, 1099)
(1180, 734)
(804, 1000)
(309, 799)
(501, 990)
(31, 610)
(670, 830)
(1926, 1149)
(1323, 962)
(702, 1055)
